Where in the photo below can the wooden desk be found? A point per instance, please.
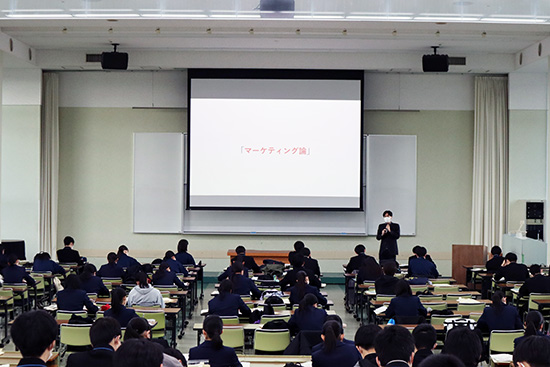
(12, 358)
(260, 255)
(272, 360)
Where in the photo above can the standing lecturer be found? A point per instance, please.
(388, 233)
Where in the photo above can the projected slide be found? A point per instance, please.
(262, 143)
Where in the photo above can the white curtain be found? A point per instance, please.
(49, 164)
(490, 179)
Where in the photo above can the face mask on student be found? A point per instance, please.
(387, 219)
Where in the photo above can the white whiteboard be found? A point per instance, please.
(391, 181)
(158, 182)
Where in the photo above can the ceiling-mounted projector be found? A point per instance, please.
(114, 60)
(435, 62)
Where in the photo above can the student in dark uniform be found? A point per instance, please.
(183, 256)
(533, 351)
(105, 338)
(212, 348)
(34, 334)
(124, 260)
(386, 283)
(14, 273)
(92, 283)
(307, 316)
(118, 308)
(310, 263)
(422, 267)
(228, 272)
(242, 285)
(43, 262)
(499, 316)
(369, 270)
(227, 303)
(405, 308)
(111, 269)
(67, 254)
(364, 342)
(249, 261)
(425, 340)
(388, 233)
(439, 360)
(465, 344)
(298, 247)
(538, 283)
(289, 279)
(496, 260)
(302, 287)
(72, 298)
(139, 353)
(356, 261)
(175, 265)
(534, 323)
(394, 346)
(165, 276)
(334, 352)
(511, 270)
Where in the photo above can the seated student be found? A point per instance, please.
(241, 285)
(228, 272)
(356, 261)
(394, 347)
(144, 294)
(249, 261)
(173, 352)
(405, 308)
(440, 360)
(465, 344)
(302, 287)
(414, 256)
(534, 322)
(496, 260)
(289, 279)
(338, 319)
(386, 283)
(212, 348)
(111, 269)
(425, 340)
(105, 338)
(14, 273)
(73, 298)
(310, 263)
(298, 246)
(67, 254)
(124, 260)
(43, 262)
(175, 265)
(165, 276)
(34, 334)
(499, 316)
(92, 283)
(364, 342)
(334, 352)
(118, 308)
(227, 303)
(511, 270)
(369, 270)
(139, 328)
(183, 256)
(138, 353)
(538, 283)
(533, 351)
(307, 316)
(421, 267)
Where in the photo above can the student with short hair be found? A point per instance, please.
(90, 282)
(310, 263)
(496, 260)
(73, 298)
(105, 338)
(111, 269)
(226, 303)
(394, 346)
(369, 270)
(421, 267)
(242, 285)
(511, 270)
(212, 348)
(67, 254)
(143, 294)
(183, 256)
(425, 340)
(118, 308)
(34, 334)
(355, 261)
(43, 263)
(138, 353)
(165, 276)
(386, 283)
(298, 246)
(364, 342)
(175, 265)
(533, 351)
(334, 352)
(442, 360)
(14, 273)
(289, 279)
(537, 283)
(249, 261)
(465, 344)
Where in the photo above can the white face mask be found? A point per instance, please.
(387, 219)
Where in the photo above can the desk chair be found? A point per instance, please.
(74, 335)
(233, 337)
(502, 341)
(271, 341)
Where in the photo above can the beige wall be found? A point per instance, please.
(95, 196)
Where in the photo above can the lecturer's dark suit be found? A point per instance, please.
(388, 244)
